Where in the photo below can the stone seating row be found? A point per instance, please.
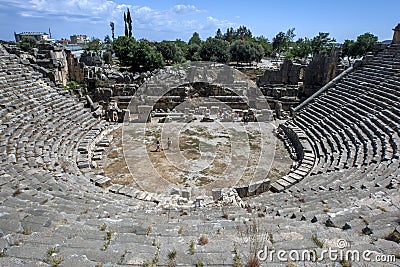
(78, 222)
(378, 134)
(306, 159)
(70, 218)
(337, 190)
(42, 128)
(58, 215)
(355, 123)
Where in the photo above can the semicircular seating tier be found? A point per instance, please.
(52, 214)
(354, 122)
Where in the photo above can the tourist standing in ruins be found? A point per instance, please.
(169, 142)
(158, 146)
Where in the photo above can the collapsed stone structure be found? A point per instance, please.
(52, 63)
(54, 210)
(295, 80)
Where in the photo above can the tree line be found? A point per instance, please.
(234, 45)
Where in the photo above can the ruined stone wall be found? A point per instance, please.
(91, 59)
(53, 62)
(293, 78)
(289, 73)
(396, 35)
(75, 68)
(60, 71)
(321, 70)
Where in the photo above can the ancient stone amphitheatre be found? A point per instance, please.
(238, 177)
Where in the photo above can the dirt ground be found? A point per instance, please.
(202, 156)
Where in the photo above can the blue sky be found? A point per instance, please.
(169, 20)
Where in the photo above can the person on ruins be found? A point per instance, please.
(245, 119)
(158, 146)
(169, 142)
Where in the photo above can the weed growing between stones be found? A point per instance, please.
(345, 263)
(393, 236)
(107, 239)
(27, 231)
(191, 247)
(3, 252)
(121, 260)
(256, 238)
(148, 230)
(155, 259)
(271, 238)
(171, 258)
(180, 230)
(51, 257)
(237, 262)
(102, 227)
(317, 242)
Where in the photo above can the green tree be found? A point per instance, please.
(263, 41)
(257, 52)
(282, 41)
(240, 51)
(170, 51)
(290, 35)
(365, 43)
(348, 48)
(112, 30)
(123, 47)
(94, 45)
(139, 56)
(301, 48)
(27, 43)
(216, 50)
(193, 52)
(230, 35)
(279, 42)
(195, 39)
(182, 45)
(129, 22)
(107, 39)
(146, 58)
(322, 42)
(126, 26)
(245, 51)
(243, 33)
(219, 35)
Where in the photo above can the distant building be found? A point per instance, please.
(79, 39)
(39, 36)
(64, 41)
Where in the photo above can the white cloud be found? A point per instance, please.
(220, 23)
(177, 19)
(185, 9)
(70, 10)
